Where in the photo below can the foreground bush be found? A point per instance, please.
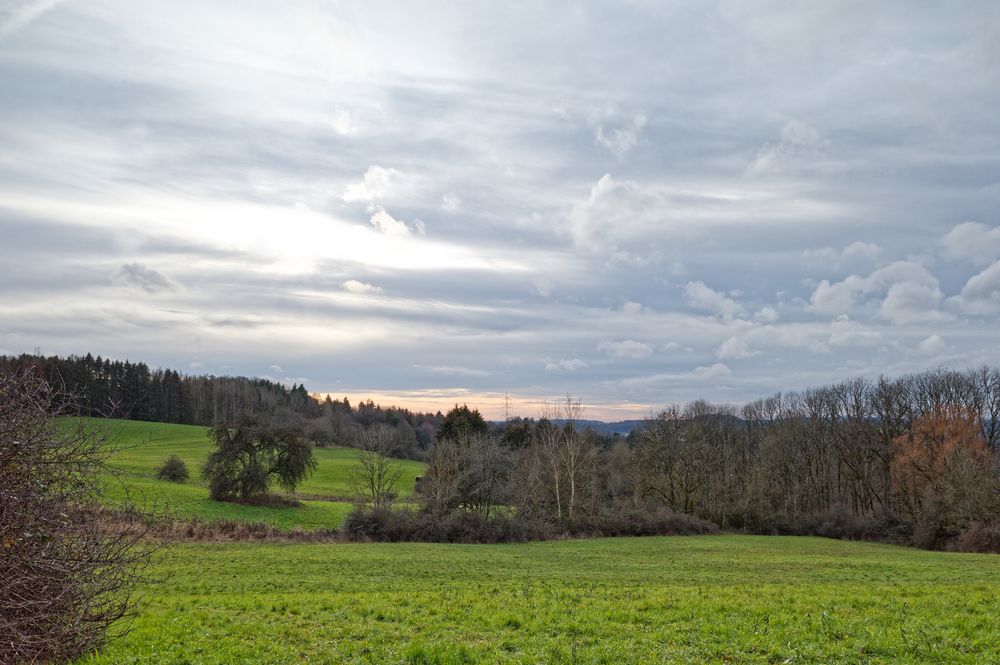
(174, 470)
(65, 574)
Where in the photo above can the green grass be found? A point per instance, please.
(652, 600)
(142, 447)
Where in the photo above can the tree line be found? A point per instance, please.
(911, 459)
(104, 387)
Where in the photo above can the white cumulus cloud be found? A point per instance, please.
(905, 292)
(375, 185)
(974, 242)
(700, 296)
(933, 346)
(981, 294)
(566, 365)
(735, 348)
(628, 348)
(354, 286)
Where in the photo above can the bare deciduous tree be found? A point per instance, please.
(376, 476)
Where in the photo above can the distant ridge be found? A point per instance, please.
(620, 427)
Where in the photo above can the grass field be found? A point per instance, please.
(144, 446)
(651, 600)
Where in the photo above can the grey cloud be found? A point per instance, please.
(139, 276)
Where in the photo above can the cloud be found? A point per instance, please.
(908, 302)
(375, 185)
(632, 308)
(716, 371)
(139, 276)
(700, 296)
(766, 314)
(933, 346)
(699, 376)
(22, 14)
(343, 123)
(450, 202)
(848, 333)
(451, 370)
(799, 143)
(628, 348)
(385, 223)
(354, 286)
(973, 242)
(735, 348)
(570, 365)
(981, 293)
(905, 291)
(621, 138)
(855, 254)
(593, 222)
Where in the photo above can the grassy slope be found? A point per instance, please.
(144, 446)
(651, 600)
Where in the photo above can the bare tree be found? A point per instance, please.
(376, 476)
(447, 466)
(66, 572)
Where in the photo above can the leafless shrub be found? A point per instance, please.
(66, 576)
(236, 531)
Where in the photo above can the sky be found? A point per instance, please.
(636, 203)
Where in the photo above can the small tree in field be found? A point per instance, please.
(66, 572)
(250, 457)
(376, 477)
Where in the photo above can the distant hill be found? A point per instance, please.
(621, 427)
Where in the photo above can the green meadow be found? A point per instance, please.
(722, 599)
(141, 447)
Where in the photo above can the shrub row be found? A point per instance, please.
(468, 527)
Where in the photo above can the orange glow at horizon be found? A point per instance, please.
(493, 406)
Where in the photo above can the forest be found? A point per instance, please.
(102, 387)
(911, 460)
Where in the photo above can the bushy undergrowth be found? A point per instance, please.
(236, 531)
(468, 527)
(174, 469)
(641, 523)
(977, 536)
(383, 525)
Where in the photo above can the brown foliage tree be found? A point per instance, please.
(943, 474)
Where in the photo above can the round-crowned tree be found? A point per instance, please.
(253, 455)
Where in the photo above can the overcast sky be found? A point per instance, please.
(638, 203)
